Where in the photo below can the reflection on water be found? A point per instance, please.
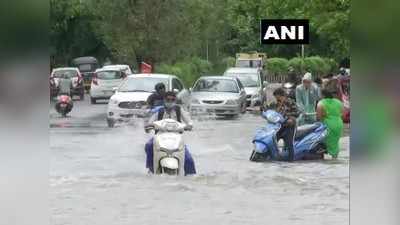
(97, 176)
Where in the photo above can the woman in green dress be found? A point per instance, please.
(329, 112)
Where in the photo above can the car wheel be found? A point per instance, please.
(110, 123)
(92, 100)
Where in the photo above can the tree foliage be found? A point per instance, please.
(173, 31)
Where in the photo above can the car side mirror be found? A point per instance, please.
(190, 89)
(176, 91)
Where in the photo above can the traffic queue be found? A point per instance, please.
(316, 105)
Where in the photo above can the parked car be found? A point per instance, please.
(123, 68)
(87, 66)
(75, 76)
(253, 84)
(130, 99)
(104, 82)
(222, 95)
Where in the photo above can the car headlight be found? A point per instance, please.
(232, 102)
(114, 102)
(195, 101)
(255, 96)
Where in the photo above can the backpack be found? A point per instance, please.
(177, 110)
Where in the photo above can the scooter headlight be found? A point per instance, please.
(273, 118)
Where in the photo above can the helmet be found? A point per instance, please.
(159, 86)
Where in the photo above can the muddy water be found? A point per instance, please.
(97, 177)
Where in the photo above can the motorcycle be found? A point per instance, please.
(168, 147)
(64, 105)
(308, 141)
(290, 90)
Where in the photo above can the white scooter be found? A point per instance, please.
(168, 147)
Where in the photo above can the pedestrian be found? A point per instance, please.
(307, 97)
(288, 109)
(329, 112)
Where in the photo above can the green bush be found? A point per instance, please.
(316, 65)
(333, 65)
(297, 64)
(277, 66)
(188, 70)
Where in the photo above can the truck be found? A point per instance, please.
(255, 60)
(252, 59)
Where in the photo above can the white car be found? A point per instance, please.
(123, 68)
(252, 81)
(104, 82)
(130, 99)
(75, 76)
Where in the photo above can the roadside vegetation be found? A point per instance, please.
(195, 37)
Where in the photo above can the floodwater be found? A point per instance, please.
(98, 177)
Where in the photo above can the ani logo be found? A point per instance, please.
(284, 31)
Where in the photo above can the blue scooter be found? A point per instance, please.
(308, 142)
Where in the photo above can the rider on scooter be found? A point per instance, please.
(170, 111)
(157, 98)
(288, 109)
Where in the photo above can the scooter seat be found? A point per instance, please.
(302, 131)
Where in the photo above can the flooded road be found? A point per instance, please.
(98, 177)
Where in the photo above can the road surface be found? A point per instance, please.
(98, 177)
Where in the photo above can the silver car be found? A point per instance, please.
(224, 96)
(252, 81)
(104, 82)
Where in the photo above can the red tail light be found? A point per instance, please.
(94, 79)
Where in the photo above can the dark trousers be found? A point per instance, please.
(189, 162)
(287, 133)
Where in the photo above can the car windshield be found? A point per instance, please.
(108, 75)
(247, 79)
(85, 67)
(145, 84)
(65, 73)
(216, 85)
